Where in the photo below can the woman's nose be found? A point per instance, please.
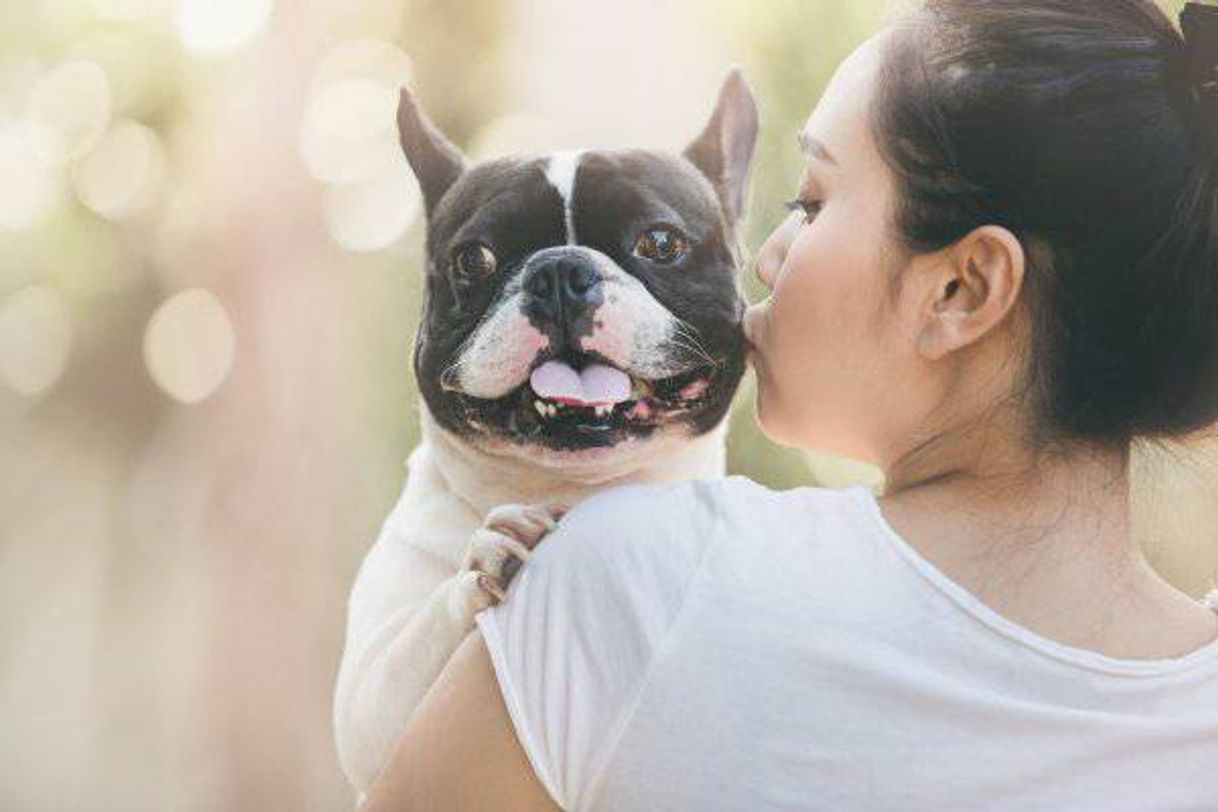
(772, 254)
(763, 266)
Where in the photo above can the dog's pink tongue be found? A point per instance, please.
(557, 381)
(604, 384)
(594, 385)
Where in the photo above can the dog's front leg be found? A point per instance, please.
(385, 676)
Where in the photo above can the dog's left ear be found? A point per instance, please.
(724, 149)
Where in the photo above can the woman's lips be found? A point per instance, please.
(750, 328)
(749, 321)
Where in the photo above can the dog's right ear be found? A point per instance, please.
(434, 159)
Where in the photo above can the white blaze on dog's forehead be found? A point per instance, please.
(560, 172)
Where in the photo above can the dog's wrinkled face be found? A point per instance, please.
(586, 300)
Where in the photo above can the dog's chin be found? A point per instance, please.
(552, 432)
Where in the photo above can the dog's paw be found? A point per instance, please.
(500, 545)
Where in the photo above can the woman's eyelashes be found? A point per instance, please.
(809, 207)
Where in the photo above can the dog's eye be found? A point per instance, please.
(661, 244)
(473, 261)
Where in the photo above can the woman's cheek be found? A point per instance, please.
(793, 317)
(793, 276)
(777, 326)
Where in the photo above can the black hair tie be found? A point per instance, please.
(1199, 25)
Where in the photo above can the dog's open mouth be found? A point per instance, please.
(579, 402)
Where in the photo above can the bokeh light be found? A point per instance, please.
(213, 27)
(124, 11)
(349, 132)
(348, 140)
(515, 133)
(35, 339)
(189, 345)
(30, 188)
(372, 214)
(122, 175)
(69, 107)
(366, 58)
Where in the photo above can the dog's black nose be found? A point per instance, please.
(562, 287)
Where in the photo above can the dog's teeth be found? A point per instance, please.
(540, 407)
(559, 406)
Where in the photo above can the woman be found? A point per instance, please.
(1003, 265)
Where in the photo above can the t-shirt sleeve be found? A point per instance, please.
(582, 621)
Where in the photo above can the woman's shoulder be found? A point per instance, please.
(696, 503)
(680, 520)
(621, 525)
(715, 494)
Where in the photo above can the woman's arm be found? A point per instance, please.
(460, 750)
(576, 637)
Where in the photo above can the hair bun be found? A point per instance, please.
(1035, 115)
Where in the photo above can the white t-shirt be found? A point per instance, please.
(715, 645)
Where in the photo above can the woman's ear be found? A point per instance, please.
(973, 287)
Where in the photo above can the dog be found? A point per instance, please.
(580, 329)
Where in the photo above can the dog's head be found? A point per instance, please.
(583, 302)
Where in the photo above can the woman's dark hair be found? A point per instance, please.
(1082, 127)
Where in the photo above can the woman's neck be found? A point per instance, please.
(1020, 503)
(1044, 539)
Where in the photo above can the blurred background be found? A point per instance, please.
(209, 282)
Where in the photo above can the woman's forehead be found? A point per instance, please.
(840, 120)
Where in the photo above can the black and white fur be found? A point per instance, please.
(570, 285)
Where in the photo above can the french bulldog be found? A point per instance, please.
(580, 329)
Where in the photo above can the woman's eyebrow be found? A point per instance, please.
(815, 149)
